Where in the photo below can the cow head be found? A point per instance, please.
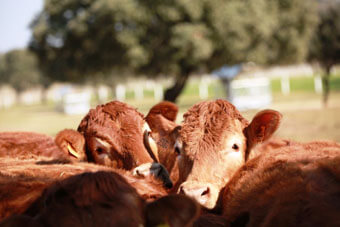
(114, 136)
(164, 130)
(215, 141)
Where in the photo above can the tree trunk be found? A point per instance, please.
(227, 88)
(171, 94)
(325, 83)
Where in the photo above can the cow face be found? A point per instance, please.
(114, 136)
(164, 130)
(215, 141)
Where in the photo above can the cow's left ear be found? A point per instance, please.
(172, 210)
(262, 127)
(167, 110)
(72, 143)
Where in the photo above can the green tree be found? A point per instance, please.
(19, 68)
(74, 39)
(2, 69)
(325, 45)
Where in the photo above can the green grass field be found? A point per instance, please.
(304, 118)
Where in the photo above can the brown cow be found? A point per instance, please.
(292, 185)
(22, 181)
(113, 134)
(117, 135)
(215, 141)
(68, 144)
(164, 131)
(104, 199)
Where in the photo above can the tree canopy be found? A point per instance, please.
(325, 45)
(74, 39)
(19, 68)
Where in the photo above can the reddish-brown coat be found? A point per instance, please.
(26, 145)
(164, 130)
(215, 141)
(22, 181)
(120, 126)
(292, 184)
(104, 198)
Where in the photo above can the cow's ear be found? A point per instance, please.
(172, 210)
(262, 127)
(166, 109)
(175, 133)
(72, 143)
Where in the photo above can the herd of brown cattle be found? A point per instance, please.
(120, 168)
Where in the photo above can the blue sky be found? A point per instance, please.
(15, 18)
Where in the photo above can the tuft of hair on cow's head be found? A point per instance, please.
(114, 136)
(72, 144)
(215, 141)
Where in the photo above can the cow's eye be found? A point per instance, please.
(99, 150)
(235, 147)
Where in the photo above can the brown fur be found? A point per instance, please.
(117, 124)
(211, 220)
(89, 199)
(172, 210)
(28, 145)
(206, 123)
(120, 126)
(22, 181)
(104, 198)
(70, 137)
(292, 185)
(215, 141)
(161, 119)
(116, 135)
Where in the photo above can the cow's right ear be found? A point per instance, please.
(172, 210)
(262, 127)
(72, 143)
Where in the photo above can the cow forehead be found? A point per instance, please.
(116, 126)
(208, 125)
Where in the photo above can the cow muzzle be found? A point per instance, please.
(205, 194)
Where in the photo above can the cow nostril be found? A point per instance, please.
(168, 184)
(205, 192)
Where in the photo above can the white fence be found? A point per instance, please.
(251, 93)
(138, 89)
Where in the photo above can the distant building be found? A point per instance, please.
(253, 92)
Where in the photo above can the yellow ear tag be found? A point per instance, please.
(72, 151)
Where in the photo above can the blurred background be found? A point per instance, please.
(58, 59)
